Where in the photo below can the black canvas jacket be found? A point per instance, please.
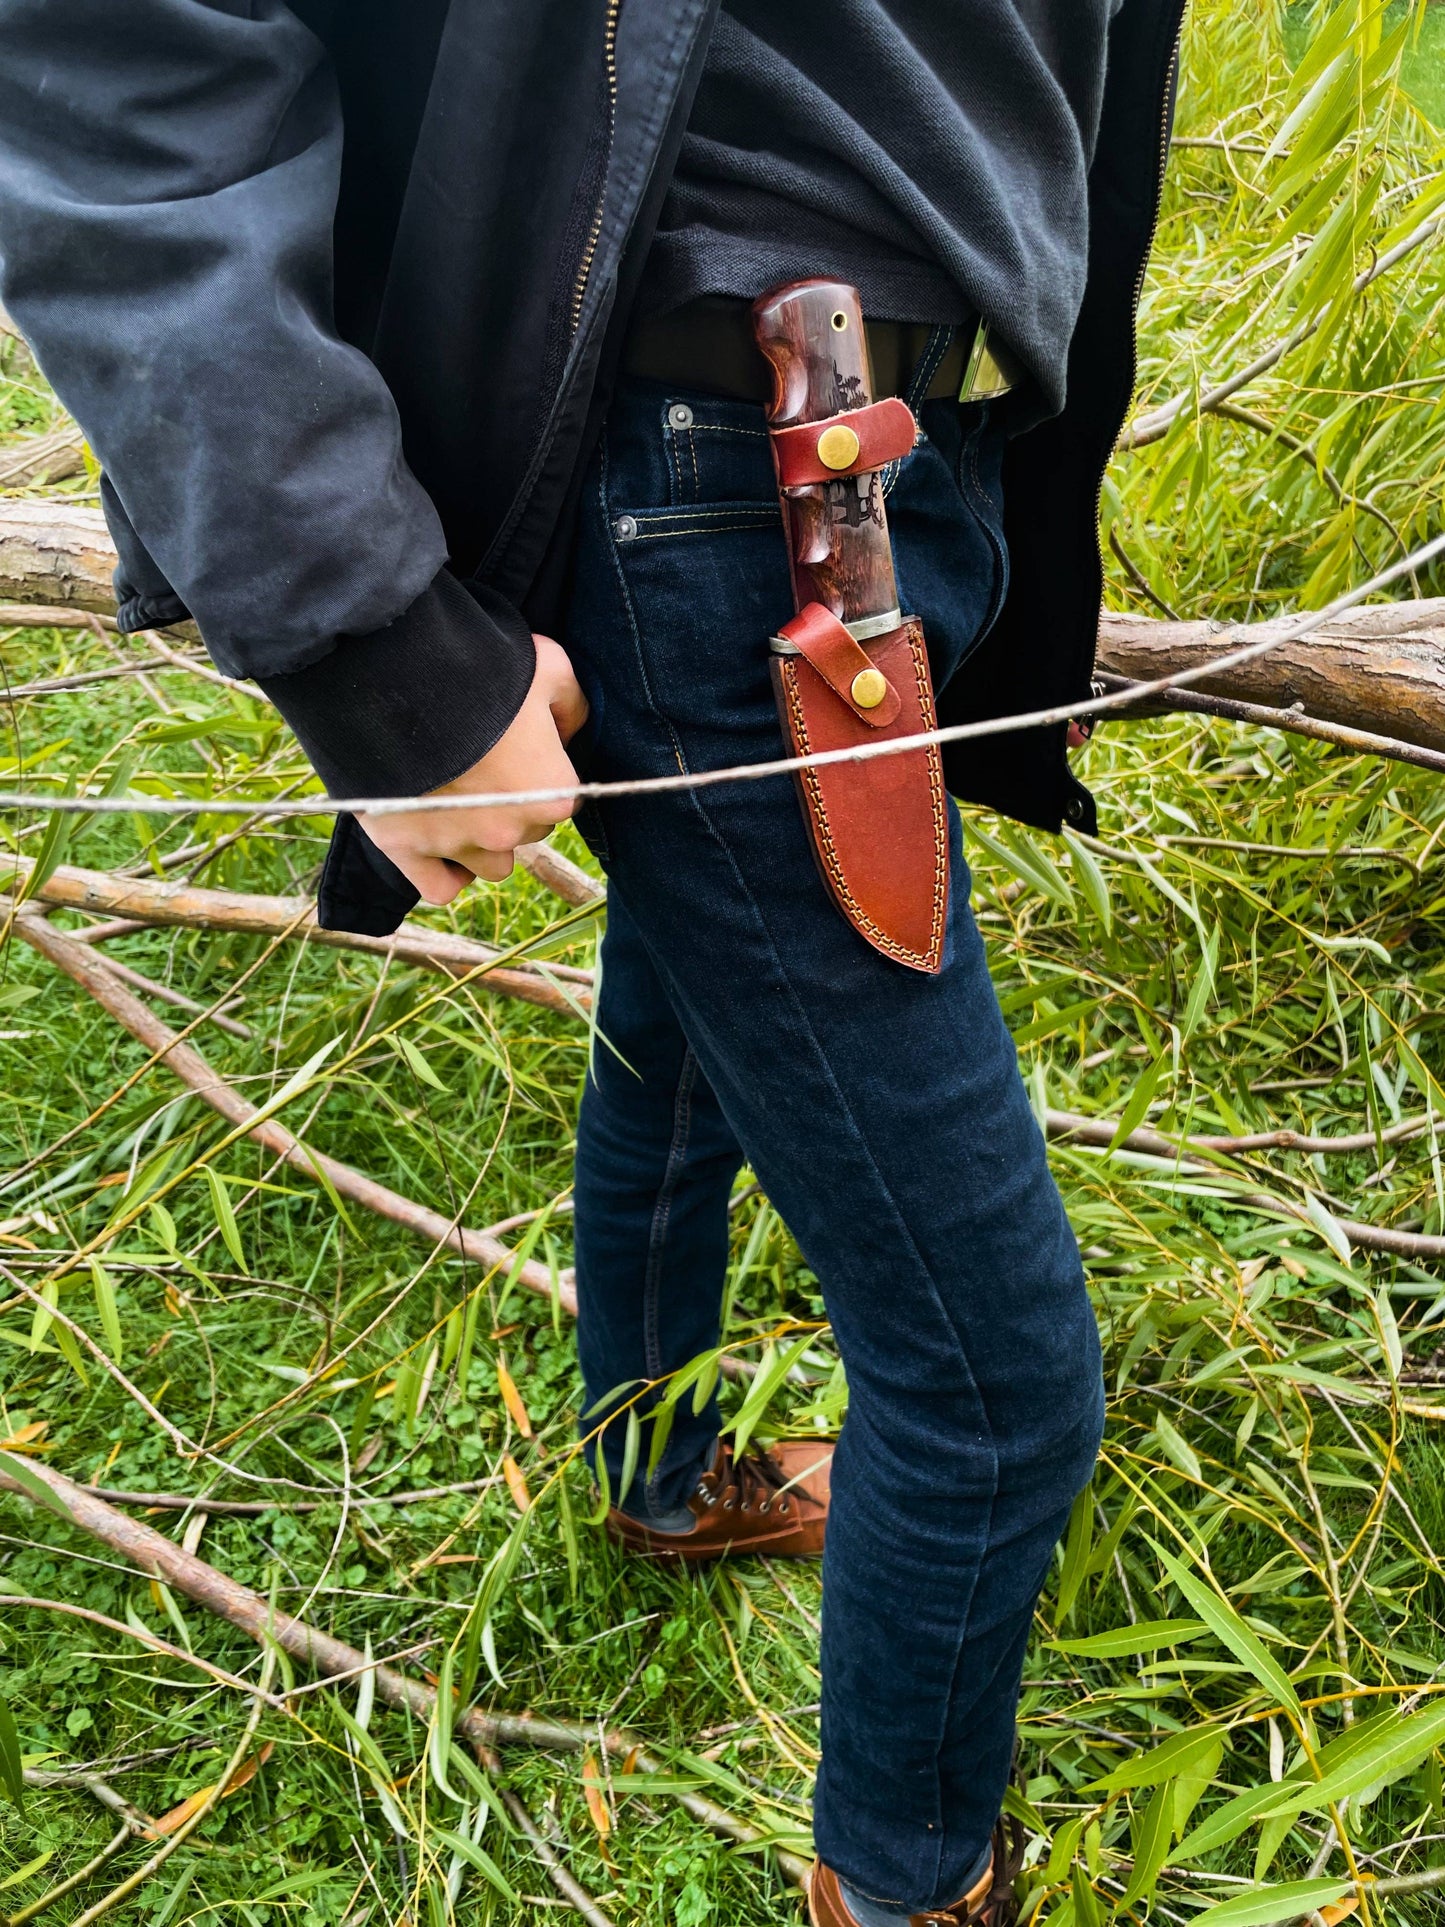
(336, 289)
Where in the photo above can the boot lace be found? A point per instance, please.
(750, 1482)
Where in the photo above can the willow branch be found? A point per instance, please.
(147, 900)
(156, 1556)
(187, 1063)
(1153, 425)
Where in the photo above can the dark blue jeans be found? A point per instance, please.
(881, 1110)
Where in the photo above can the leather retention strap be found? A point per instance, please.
(858, 441)
(846, 667)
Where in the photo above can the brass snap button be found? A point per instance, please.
(868, 688)
(838, 446)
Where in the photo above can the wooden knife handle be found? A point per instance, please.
(813, 337)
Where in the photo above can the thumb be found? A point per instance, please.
(567, 704)
(569, 708)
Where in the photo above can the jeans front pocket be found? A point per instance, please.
(698, 547)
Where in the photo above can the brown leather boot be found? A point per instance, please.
(774, 1502)
(990, 1902)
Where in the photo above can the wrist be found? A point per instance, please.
(415, 705)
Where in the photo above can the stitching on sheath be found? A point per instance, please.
(884, 942)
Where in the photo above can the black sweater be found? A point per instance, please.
(935, 153)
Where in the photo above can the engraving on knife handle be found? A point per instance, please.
(813, 337)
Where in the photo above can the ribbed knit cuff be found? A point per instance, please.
(411, 706)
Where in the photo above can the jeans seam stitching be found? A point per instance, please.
(859, 1137)
(662, 1209)
(625, 592)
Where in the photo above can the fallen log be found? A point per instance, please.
(58, 552)
(146, 900)
(38, 459)
(1379, 668)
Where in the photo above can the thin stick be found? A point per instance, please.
(53, 685)
(1095, 1130)
(575, 1895)
(1150, 427)
(1370, 1237)
(1292, 629)
(560, 874)
(155, 1555)
(23, 1603)
(38, 615)
(148, 901)
(187, 1063)
(188, 1827)
(252, 1508)
(105, 1795)
(166, 995)
(1264, 717)
(68, 1886)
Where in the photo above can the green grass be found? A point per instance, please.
(1274, 1411)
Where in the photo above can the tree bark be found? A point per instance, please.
(146, 900)
(58, 552)
(43, 458)
(1378, 668)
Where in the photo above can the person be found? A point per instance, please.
(410, 337)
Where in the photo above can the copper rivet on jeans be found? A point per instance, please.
(868, 688)
(838, 446)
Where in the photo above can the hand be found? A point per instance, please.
(440, 851)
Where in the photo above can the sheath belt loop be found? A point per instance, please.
(846, 667)
(852, 443)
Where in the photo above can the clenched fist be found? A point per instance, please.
(440, 851)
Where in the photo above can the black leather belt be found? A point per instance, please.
(709, 345)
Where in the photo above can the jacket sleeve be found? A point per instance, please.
(168, 182)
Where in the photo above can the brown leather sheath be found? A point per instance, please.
(849, 669)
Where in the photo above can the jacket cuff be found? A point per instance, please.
(409, 707)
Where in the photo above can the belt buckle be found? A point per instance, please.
(984, 378)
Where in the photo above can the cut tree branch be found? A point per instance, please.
(156, 1556)
(147, 900)
(1380, 668)
(186, 1062)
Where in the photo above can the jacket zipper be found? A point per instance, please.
(594, 232)
(1164, 118)
(1144, 259)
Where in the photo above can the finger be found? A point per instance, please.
(435, 880)
(491, 866)
(538, 832)
(569, 708)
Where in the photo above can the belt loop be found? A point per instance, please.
(937, 346)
